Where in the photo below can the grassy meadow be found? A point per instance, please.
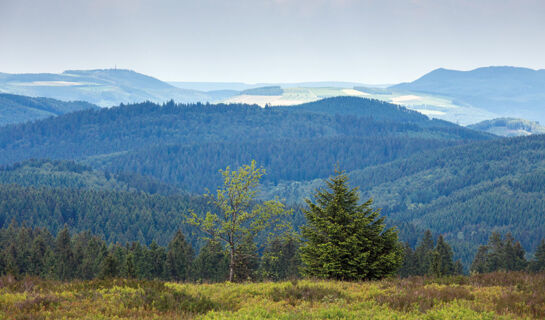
(487, 296)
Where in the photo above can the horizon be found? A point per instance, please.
(271, 82)
(271, 41)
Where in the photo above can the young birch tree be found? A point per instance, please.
(238, 215)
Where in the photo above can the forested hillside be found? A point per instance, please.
(70, 174)
(187, 144)
(463, 192)
(115, 216)
(17, 109)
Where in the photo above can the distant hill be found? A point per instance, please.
(16, 109)
(187, 144)
(507, 91)
(103, 87)
(264, 91)
(509, 127)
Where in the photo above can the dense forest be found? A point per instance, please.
(463, 192)
(187, 144)
(425, 174)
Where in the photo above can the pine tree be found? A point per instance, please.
(345, 240)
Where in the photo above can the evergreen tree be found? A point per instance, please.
(211, 264)
(442, 262)
(479, 264)
(281, 260)
(424, 252)
(179, 258)
(345, 240)
(65, 267)
(247, 261)
(410, 266)
(500, 254)
(110, 266)
(538, 263)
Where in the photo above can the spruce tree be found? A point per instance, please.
(423, 253)
(442, 262)
(538, 263)
(346, 240)
(410, 262)
(281, 260)
(179, 258)
(211, 264)
(480, 264)
(64, 255)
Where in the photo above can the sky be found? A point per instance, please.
(367, 41)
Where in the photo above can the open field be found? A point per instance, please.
(488, 296)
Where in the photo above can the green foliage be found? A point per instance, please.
(212, 263)
(239, 219)
(187, 144)
(115, 216)
(462, 192)
(179, 258)
(281, 259)
(430, 259)
(499, 254)
(345, 240)
(538, 263)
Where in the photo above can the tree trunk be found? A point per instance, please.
(232, 264)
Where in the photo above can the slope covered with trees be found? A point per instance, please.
(187, 144)
(17, 109)
(70, 174)
(463, 192)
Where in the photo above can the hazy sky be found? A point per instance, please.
(370, 41)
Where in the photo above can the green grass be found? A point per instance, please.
(490, 296)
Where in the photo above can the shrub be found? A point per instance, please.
(424, 298)
(293, 294)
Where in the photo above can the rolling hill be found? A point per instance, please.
(505, 91)
(17, 109)
(187, 144)
(103, 87)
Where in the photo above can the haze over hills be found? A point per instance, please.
(103, 87)
(505, 91)
(16, 109)
(509, 127)
(463, 97)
